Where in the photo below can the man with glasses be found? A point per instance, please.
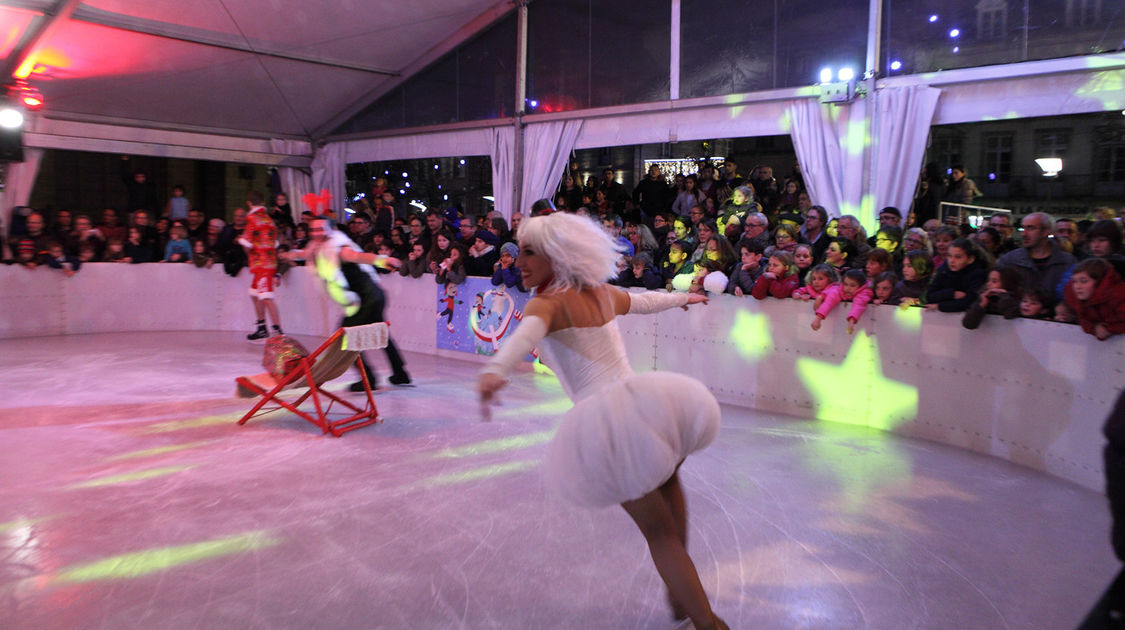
(1041, 261)
(917, 240)
(757, 229)
(812, 232)
(1002, 223)
(848, 227)
(695, 215)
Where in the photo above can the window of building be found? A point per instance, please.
(997, 160)
(1110, 159)
(945, 149)
(1051, 142)
(992, 19)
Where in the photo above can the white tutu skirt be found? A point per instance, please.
(626, 440)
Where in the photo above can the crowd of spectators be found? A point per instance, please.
(712, 231)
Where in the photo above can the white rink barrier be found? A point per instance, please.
(1035, 393)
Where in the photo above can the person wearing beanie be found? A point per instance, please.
(483, 254)
(505, 269)
(26, 254)
(541, 207)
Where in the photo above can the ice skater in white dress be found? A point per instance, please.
(627, 434)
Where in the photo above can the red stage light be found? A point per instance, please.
(28, 95)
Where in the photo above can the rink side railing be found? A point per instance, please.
(1034, 393)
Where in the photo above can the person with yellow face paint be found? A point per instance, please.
(678, 262)
(839, 254)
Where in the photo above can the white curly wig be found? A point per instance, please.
(582, 254)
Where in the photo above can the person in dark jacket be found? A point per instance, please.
(957, 280)
(483, 255)
(1041, 261)
(1110, 609)
(653, 194)
(1000, 295)
(640, 273)
(506, 272)
(931, 190)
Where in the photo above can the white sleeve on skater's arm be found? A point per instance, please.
(655, 301)
(531, 331)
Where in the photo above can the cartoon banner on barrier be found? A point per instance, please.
(475, 316)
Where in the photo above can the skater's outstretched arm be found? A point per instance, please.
(648, 302)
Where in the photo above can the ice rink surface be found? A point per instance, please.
(129, 498)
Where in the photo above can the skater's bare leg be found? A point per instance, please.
(654, 517)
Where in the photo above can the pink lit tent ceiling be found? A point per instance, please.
(255, 68)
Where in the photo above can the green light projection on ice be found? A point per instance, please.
(160, 450)
(474, 474)
(141, 563)
(499, 445)
(140, 475)
(190, 423)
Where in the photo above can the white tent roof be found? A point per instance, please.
(251, 68)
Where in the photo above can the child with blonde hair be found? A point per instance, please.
(819, 279)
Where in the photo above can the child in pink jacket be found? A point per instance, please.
(852, 289)
(819, 279)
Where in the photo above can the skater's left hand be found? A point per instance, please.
(696, 298)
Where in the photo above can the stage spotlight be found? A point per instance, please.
(10, 117)
(826, 75)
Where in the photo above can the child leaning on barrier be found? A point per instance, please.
(1039, 304)
(1096, 295)
(803, 259)
(748, 269)
(955, 284)
(1000, 295)
(818, 280)
(639, 273)
(917, 270)
(853, 288)
(780, 278)
(883, 285)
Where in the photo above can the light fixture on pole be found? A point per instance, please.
(840, 90)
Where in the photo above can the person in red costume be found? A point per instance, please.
(259, 239)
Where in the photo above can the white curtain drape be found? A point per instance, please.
(829, 141)
(17, 188)
(328, 173)
(902, 125)
(502, 151)
(546, 150)
(295, 182)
